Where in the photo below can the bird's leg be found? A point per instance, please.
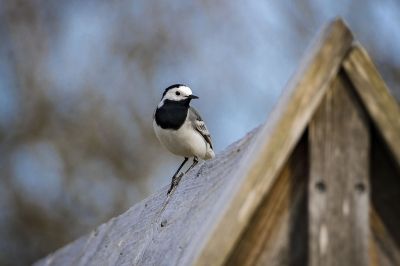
(176, 178)
(195, 161)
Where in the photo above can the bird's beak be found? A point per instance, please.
(193, 97)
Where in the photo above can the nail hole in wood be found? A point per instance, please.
(163, 223)
(320, 186)
(360, 187)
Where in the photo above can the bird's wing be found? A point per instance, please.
(199, 125)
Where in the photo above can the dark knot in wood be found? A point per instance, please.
(320, 186)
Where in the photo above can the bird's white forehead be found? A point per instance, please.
(185, 90)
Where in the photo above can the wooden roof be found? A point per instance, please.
(248, 189)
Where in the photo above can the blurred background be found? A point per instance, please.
(79, 81)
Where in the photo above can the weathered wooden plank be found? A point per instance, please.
(158, 230)
(339, 180)
(382, 107)
(276, 141)
(277, 232)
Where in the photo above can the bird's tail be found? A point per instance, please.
(209, 154)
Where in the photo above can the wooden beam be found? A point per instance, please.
(274, 145)
(339, 180)
(382, 107)
(277, 231)
(159, 230)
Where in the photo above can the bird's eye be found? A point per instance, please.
(177, 93)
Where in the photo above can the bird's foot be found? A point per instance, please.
(174, 183)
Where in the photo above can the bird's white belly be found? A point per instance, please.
(185, 141)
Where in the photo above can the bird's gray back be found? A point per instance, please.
(199, 124)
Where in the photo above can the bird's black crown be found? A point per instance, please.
(171, 87)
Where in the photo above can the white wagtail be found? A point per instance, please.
(179, 127)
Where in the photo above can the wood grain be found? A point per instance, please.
(275, 143)
(276, 233)
(375, 95)
(159, 230)
(339, 180)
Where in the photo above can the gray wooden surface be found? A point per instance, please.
(159, 230)
(276, 141)
(339, 180)
(276, 234)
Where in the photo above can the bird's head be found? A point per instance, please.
(177, 93)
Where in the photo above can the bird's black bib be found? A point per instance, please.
(172, 114)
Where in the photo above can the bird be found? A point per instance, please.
(180, 128)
